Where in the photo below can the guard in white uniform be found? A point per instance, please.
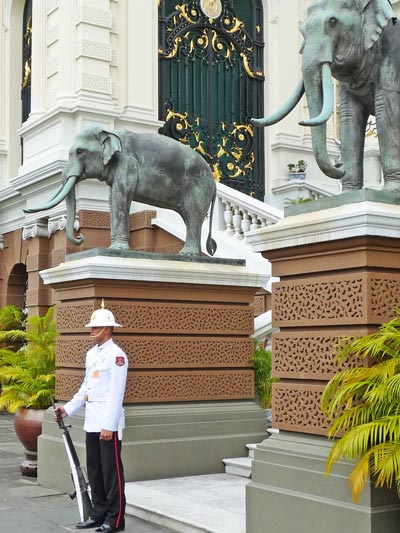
(102, 392)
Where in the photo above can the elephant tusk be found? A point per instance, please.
(327, 102)
(284, 110)
(59, 197)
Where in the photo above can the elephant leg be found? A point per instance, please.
(194, 223)
(353, 121)
(387, 109)
(119, 212)
(121, 195)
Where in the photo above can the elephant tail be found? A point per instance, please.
(211, 245)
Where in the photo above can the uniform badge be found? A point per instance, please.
(119, 360)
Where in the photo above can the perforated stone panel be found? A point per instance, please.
(385, 295)
(141, 220)
(315, 307)
(334, 298)
(296, 407)
(161, 317)
(310, 355)
(164, 352)
(339, 299)
(94, 219)
(181, 345)
(150, 387)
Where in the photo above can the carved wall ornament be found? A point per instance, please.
(37, 229)
(58, 223)
(211, 8)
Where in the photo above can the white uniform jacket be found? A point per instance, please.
(102, 389)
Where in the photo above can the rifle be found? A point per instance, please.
(81, 492)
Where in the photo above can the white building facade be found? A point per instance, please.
(98, 61)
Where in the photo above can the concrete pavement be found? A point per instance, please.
(27, 506)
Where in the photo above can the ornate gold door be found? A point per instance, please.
(211, 83)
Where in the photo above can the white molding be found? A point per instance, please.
(28, 179)
(343, 222)
(7, 14)
(160, 270)
(273, 11)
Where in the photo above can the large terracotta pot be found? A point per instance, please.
(28, 427)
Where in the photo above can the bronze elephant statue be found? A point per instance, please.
(358, 43)
(145, 167)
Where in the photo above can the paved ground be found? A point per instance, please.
(26, 506)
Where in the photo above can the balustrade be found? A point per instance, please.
(242, 213)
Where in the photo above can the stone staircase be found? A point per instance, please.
(213, 503)
(240, 466)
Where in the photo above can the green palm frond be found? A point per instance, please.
(363, 405)
(28, 371)
(11, 317)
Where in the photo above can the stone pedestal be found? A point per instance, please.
(338, 263)
(187, 326)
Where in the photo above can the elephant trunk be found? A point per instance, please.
(284, 110)
(319, 92)
(71, 214)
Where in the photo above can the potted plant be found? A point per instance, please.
(363, 404)
(262, 360)
(297, 170)
(27, 373)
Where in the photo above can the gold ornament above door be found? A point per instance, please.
(211, 8)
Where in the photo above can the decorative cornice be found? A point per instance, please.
(38, 175)
(58, 223)
(38, 229)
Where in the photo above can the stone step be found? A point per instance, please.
(238, 466)
(213, 503)
(251, 448)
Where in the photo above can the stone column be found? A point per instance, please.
(187, 332)
(338, 263)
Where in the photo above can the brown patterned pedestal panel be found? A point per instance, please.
(333, 285)
(184, 342)
(172, 386)
(348, 288)
(189, 399)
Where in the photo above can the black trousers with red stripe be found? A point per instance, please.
(106, 478)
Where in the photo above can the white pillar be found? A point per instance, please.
(39, 58)
(140, 62)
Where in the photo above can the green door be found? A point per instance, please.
(211, 83)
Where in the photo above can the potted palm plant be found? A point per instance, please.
(363, 404)
(27, 373)
(263, 380)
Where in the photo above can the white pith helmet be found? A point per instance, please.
(102, 317)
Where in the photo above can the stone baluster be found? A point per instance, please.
(246, 222)
(228, 216)
(255, 223)
(237, 223)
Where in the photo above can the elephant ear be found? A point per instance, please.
(111, 143)
(376, 15)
